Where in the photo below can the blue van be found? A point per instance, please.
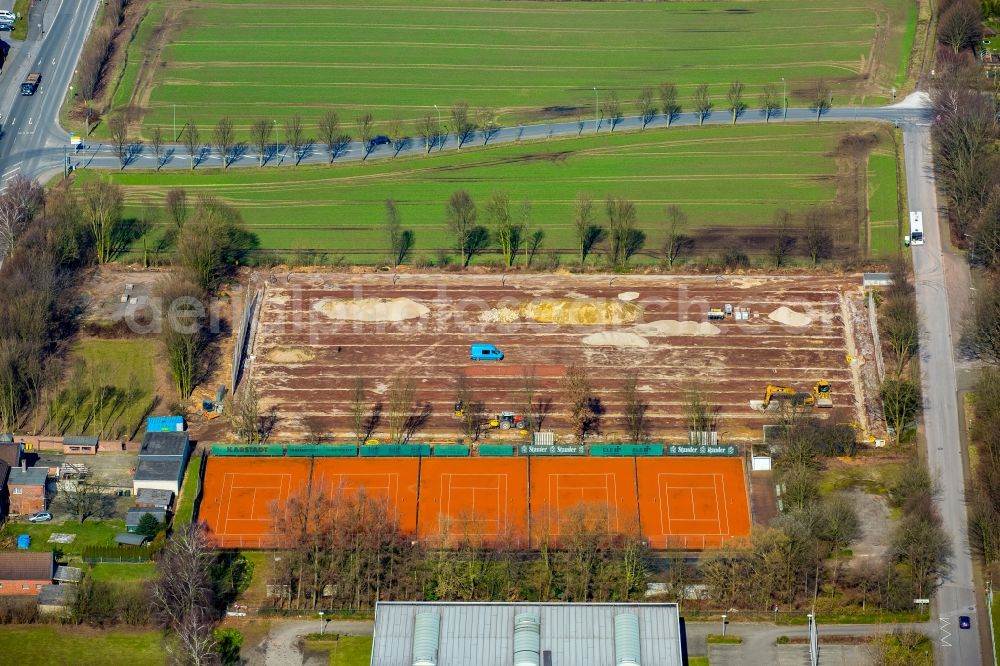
(484, 352)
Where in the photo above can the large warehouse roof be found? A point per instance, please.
(460, 634)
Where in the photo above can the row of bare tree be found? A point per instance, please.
(91, 69)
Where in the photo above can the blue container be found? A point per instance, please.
(165, 424)
(23, 541)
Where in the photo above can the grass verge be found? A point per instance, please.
(80, 646)
(111, 572)
(728, 639)
(344, 650)
(90, 533)
(189, 491)
(21, 9)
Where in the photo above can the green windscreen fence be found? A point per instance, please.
(248, 450)
(629, 450)
(395, 450)
(451, 450)
(322, 451)
(496, 450)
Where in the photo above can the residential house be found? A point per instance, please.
(24, 573)
(10, 457)
(26, 488)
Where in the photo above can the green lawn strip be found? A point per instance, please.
(344, 650)
(185, 504)
(111, 572)
(996, 624)
(720, 176)
(80, 646)
(906, 44)
(124, 364)
(90, 533)
(883, 204)
(728, 639)
(125, 83)
(527, 60)
(698, 661)
(859, 617)
(21, 8)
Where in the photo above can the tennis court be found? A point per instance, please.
(683, 503)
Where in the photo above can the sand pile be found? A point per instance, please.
(589, 311)
(500, 315)
(615, 339)
(669, 327)
(789, 317)
(286, 355)
(371, 309)
(748, 283)
(628, 296)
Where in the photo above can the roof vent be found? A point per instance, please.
(426, 634)
(527, 639)
(627, 640)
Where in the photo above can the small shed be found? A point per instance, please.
(55, 598)
(135, 515)
(154, 498)
(65, 574)
(80, 446)
(165, 424)
(130, 539)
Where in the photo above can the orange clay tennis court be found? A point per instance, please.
(685, 503)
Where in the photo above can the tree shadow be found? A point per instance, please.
(465, 136)
(373, 421)
(236, 153)
(592, 424)
(268, 422)
(133, 152)
(541, 409)
(167, 157)
(400, 145)
(490, 132)
(201, 155)
(415, 422)
(305, 150)
(671, 117)
(476, 242)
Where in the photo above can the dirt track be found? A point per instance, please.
(307, 355)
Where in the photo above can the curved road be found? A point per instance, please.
(34, 145)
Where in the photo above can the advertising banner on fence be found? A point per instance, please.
(554, 450)
(705, 450)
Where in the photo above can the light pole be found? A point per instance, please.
(784, 98)
(723, 624)
(322, 625)
(597, 106)
(440, 126)
(274, 124)
(174, 126)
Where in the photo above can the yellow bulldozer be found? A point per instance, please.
(820, 396)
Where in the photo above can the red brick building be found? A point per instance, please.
(26, 489)
(25, 573)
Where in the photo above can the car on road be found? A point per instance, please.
(379, 140)
(964, 622)
(7, 17)
(40, 517)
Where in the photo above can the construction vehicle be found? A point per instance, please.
(459, 410)
(821, 396)
(30, 84)
(508, 420)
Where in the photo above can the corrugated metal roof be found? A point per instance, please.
(79, 441)
(483, 633)
(159, 469)
(164, 444)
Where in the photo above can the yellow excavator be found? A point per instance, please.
(821, 396)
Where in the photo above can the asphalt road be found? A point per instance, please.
(957, 595)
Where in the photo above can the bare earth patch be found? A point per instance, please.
(290, 355)
(788, 317)
(672, 327)
(371, 309)
(584, 311)
(615, 339)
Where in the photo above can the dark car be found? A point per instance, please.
(964, 622)
(379, 140)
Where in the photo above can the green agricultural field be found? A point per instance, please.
(526, 60)
(80, 646)
(729, 181)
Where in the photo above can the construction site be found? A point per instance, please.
(745, 343)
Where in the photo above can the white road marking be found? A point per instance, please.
(11, 171)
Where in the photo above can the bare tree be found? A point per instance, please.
(702, 102)
(702, 416)
(402, 391)
(118, 128)
(611, 109)
(212, 242)
(102, 210)
(821, 99)
(428, 130)
(398, 137)
(784, 241)
(366, 129)
(156, 144)
(634, 410)
(20, 201)
(177, 207)
(819, 241)
(770, 102)
(359, 409)
(536, 406)
(735, 96)
(584, 407)
(329, 131)
(183, 332)
(400, 240)
(86, 497)
(224, 137)
(183, 597)
(295, 137)
(674, 237)
(461, 216)
(247, 420)
(623, 235)
(465, 126)
(506, 231)
(192, 140)
(588, 233)
(960, 25)
(644, 105)
(260, 137)
(668, 100)
(487, 118)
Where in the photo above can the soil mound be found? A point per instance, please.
(789, 317)
(671, 327)
(615, 339)
(371, 309)
(588, 312)
(287, 355)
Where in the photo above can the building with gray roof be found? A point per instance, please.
(526, 634)
(163, 458)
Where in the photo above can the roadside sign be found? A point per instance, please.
(75, 139)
